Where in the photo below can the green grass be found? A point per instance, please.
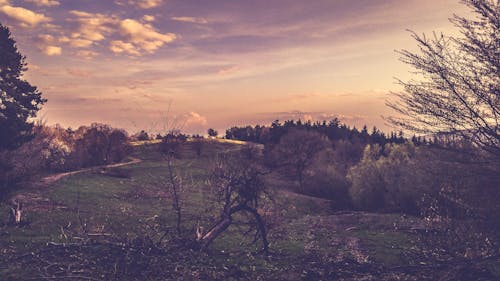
(386, 247)
(305, 236)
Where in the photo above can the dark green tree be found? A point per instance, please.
(212, 133)
(19, 100)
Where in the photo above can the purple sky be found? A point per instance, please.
(140, 64)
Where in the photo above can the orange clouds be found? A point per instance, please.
(46, 3)
(190, 20)
(139, 37)
(25, 17)
(142, 4)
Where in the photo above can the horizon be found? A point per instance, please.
(140, 64)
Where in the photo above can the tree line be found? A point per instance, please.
(332, 129)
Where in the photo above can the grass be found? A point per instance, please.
(307, 240)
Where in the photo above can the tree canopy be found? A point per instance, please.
(457, 89)
(19, 100)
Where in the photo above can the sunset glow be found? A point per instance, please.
(136, 63)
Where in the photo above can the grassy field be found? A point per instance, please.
(93, 226)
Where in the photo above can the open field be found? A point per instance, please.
(95, 225)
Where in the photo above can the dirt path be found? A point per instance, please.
(34, 200)
(49, 180)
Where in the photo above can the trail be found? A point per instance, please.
(49, 180)
(33, 199)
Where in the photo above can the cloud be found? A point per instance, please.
(139, 37)
(118, 47)
(190, 20)
(148, 18)
(229, 70)
(86, 54)
(194, 122)
(350, 119)
(92, 26)
(52, 50)
(79, 72)
(46, 44)
(46, 3)
(76, 42)
(193, 118)
(143, 4)
(25, 17)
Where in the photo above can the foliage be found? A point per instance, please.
(141, 136)
(296, 152)
(197, 143)
(126, 220)
(459, 91)
(327, 182)
(239, 190)
(390, 178)
(334, 130)
(171, 143)
(100, 144)
(212, 133)
(19, 100)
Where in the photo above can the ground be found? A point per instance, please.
(116, 223)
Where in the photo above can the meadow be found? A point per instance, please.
(118, 224)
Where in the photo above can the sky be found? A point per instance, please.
(199, 64)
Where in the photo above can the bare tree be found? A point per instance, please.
(239, 189)
(296, 152)
(175, 188)
(458, 91)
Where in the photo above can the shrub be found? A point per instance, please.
(100, 144)
(389, 179)
(328, 183)
(171, 145)
(296, 152)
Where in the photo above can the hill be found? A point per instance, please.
(116, 223)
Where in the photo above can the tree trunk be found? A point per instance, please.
(215, 231)
(16, 213)
(226, 221)
(261, 226)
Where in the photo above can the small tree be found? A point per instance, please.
(460, 87)
(197, 143)
(239, 189)
(297, 150)
(101, 144)
(142, 136)
(212, 133)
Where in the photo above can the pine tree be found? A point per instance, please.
(19, 100)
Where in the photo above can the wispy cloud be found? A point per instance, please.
(190, 20)
(46, 3)
(142, 4)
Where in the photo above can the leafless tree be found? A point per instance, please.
(239, 189)
(296, 152)
(175, 188)
(458, 86)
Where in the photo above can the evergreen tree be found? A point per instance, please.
(19, 100)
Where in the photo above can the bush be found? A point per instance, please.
(328, 183)
(296, 152)
(99, 145)
(389, 179)
(171, 145)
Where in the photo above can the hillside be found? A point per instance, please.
(116, 223)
